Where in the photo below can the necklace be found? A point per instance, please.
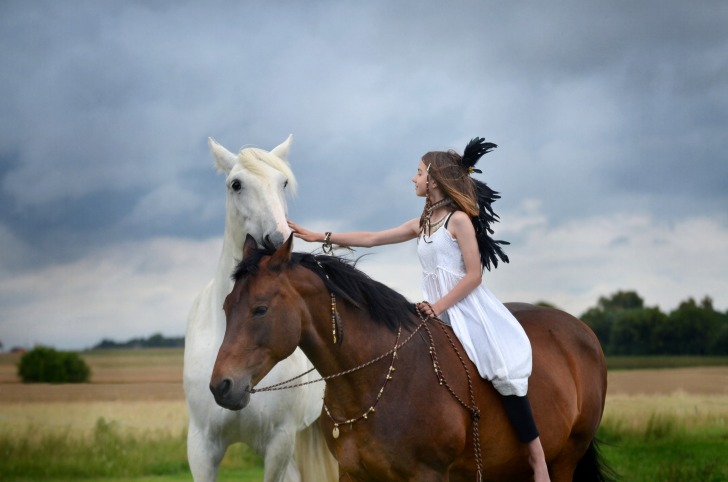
(437, 224)
(438, 204)
(434, 226)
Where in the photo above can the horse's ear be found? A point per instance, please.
(281, 150)
(224, 159)
(250, 246)
(282, 254)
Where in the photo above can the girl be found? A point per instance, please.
(455, 247)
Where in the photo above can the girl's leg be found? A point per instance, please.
(519, 413)
(537, 460)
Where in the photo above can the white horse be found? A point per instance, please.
(281, 426)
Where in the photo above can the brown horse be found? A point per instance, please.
(402, 401)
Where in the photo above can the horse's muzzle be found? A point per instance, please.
(231, 395)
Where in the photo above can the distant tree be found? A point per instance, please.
(155, 341)
(602, 317)
(613, 316)
(633, 331)
(105, 344)
(46, 365)
(621, 300)
(719, 343)
(691, 329)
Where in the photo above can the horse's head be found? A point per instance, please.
(257, 182)
(263, 324)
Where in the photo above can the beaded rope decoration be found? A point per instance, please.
(327, 247)
(365, 415)
(335, 318)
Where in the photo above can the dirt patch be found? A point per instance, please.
(90, 392)
(148, 375)
(116, 375)
(696, 381)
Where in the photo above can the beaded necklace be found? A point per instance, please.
(428, 215)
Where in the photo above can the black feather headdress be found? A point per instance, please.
(475, 149)
(490, 249)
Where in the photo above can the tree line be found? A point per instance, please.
(155, 341)
(625, 326)
(622, 322)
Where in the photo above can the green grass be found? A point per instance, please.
(666, 361)
(666, 451)
(663, 448)
(659, 447)
(226, 475)
(111, 455)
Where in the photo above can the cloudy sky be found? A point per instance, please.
(611, 120)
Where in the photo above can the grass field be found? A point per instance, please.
(129, 423)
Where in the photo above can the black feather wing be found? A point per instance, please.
(476, 148)
(490, 249)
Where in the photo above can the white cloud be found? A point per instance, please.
(128, 290)
(573, 264)
(140, 288)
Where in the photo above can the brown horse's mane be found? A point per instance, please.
(341, 276)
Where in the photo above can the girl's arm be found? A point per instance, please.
(462, 229)
(364, 239)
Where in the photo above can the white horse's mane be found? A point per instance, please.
(250, 156)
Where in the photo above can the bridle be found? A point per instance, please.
(336, 321)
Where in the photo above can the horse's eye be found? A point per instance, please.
(260, 310)
(236, 185)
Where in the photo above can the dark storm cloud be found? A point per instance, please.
(121, 97)
(600, 109)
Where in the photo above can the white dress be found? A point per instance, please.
(493, 339)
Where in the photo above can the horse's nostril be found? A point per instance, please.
(222, 388)
(273, 241)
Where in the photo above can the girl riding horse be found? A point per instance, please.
(455, 247)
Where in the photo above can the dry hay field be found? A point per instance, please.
(141, 390)
(696, 397)
(138, 390)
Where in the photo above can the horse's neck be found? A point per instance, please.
(229, 257)
(363, 341)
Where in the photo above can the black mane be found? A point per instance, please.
(341, 277)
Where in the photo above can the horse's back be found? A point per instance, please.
(568, 385)
(549, 328)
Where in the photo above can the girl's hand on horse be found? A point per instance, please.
(304, 234)
(426, 309)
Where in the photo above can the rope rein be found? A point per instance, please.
(284, 384)
(472, 408)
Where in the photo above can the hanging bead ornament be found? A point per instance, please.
(364, 416)
(335, 320)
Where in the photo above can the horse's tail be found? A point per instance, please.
(313, 457)
(592, 467)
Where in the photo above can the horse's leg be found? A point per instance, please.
(204, 453)
(563, 465)
(280, 465)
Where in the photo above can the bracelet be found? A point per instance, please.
(327, 247)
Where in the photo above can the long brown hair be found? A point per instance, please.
(446, 170)
(451, 172)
